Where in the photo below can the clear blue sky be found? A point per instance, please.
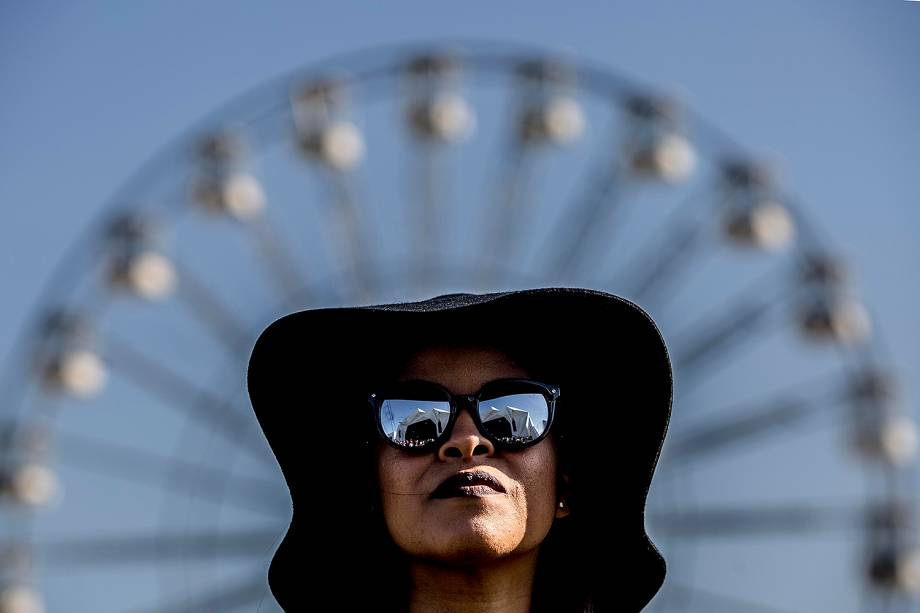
(90, 90)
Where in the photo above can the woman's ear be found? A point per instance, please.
(563, 498)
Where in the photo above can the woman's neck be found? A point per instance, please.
(504, 586)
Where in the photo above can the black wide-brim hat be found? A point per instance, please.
(309, 376)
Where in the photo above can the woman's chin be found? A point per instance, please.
(477, 538)
(472, 554)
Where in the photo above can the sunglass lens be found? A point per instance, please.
(414, 423)
(515, 419)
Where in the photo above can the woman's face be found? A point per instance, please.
(467, 529)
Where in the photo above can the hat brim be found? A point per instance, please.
(604, 352)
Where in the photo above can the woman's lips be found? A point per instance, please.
(469, 484)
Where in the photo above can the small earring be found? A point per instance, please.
(561, 504)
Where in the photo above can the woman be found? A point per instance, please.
(411, 495)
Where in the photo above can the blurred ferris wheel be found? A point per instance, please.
(133, 476)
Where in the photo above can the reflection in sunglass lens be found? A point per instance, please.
(414, 423)
(515, 419)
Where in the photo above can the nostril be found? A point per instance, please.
(454, 451)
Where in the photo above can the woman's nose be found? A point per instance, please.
(465, 441)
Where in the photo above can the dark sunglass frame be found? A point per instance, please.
(491, 389)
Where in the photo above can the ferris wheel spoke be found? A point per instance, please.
(884, 602)
(184, 396)
(710, 439)
(427, 210)
(713, 602)
(732, 522)
(501, 228)
(661, 260)
(590, 211)
(741, 321)
(278, 260)
(436, 115)
(712, 339)
(146, 548)
(894, 603)
(350, 237)
(746, 425)
(153, 470)
(211, 312)
(683, 243)
(228, 597)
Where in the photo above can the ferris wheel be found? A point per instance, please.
(134, 476)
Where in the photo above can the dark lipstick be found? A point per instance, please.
(468, 484)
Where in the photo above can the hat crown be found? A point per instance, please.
(437, 303)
